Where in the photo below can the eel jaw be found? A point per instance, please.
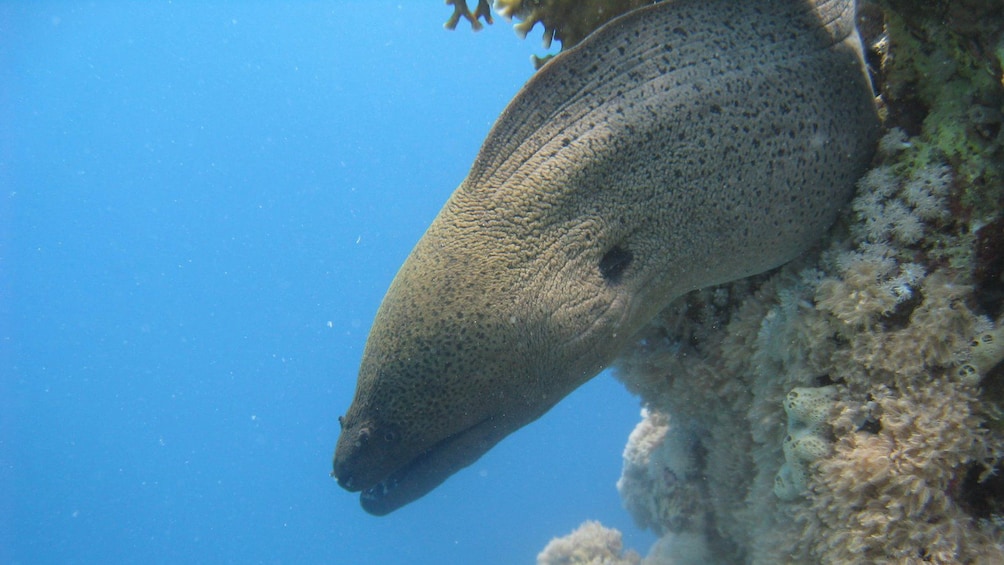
(430, 468)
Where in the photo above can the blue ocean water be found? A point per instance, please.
(201, 205)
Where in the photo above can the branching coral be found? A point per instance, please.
(460, 10)
(568, 21)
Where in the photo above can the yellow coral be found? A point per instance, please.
(568, 21)
(460, 10)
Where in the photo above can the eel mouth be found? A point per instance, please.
(430, 468)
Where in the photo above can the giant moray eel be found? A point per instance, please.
(681, 145)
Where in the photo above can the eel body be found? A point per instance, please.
(681, 145)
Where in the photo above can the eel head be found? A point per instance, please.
(476, 337)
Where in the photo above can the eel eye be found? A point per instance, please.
(614, 263)
(390, 437)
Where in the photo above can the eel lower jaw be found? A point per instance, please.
(430, 468)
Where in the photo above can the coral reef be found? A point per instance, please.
(852, 384)
(892, 494)
(895, 322)
(589, 544)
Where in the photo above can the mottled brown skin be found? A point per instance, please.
(682, 145)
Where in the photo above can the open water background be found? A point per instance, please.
(201, 206)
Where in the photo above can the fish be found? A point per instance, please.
(681, 145)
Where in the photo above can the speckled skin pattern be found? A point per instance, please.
(682, 145)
